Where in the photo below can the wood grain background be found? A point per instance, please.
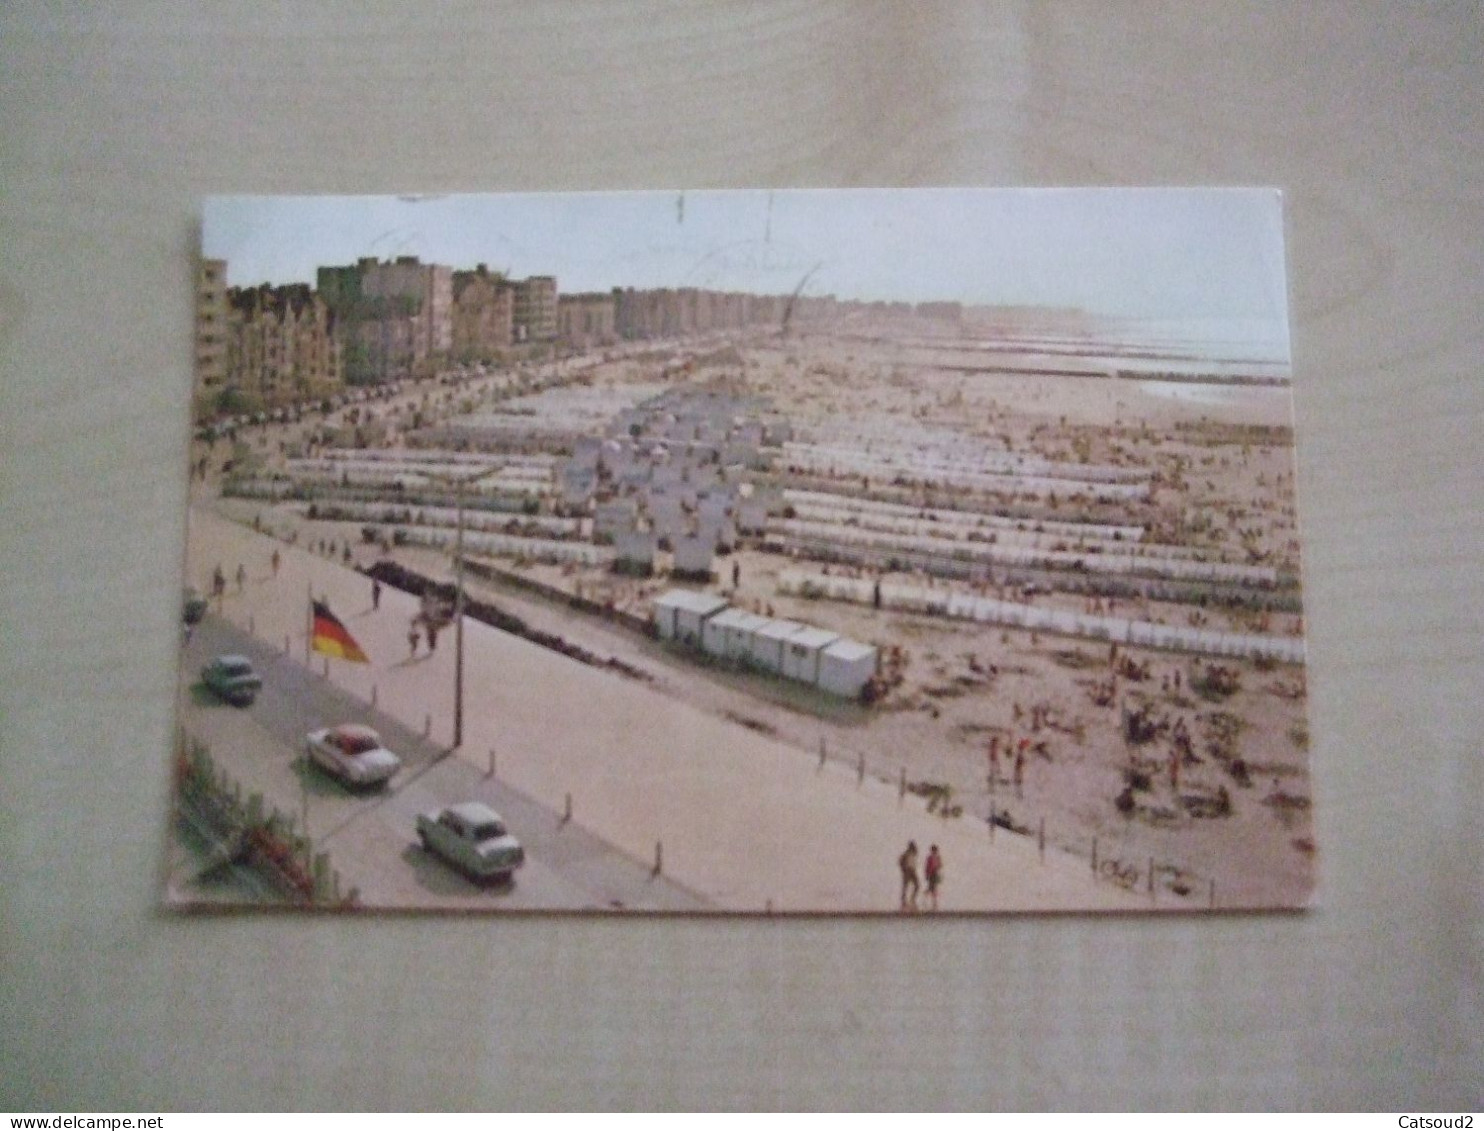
(118, 118)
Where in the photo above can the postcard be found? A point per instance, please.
(883, 552)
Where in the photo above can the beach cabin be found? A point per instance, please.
(635, 550)
(740, 634)
(668, 517)
(719, 531)
(586, 453)
(578, 485)
(633, 475)
(693, 556)
(718, 637)
(611, 519)
(681, 614)
(845, 667)
(801, 653)
(752, 516)
(767, 643)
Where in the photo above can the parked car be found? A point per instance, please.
(473, 838)
(194, 606)
(353, 753)
(232, 678)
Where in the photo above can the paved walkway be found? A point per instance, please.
(751, 823)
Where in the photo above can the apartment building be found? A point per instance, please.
(535, 313)
(281, 347)
(212, 328)
(483, 314)
(585, 321)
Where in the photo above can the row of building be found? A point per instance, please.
(373, 321)
(792, 649)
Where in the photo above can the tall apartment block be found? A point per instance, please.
(395, 317)
(536, 309)
(211, 337)
(483, 315)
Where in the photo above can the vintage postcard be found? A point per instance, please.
(872, 552)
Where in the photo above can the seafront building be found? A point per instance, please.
(395, 317)
(483, 315)
(281, 348)
(535, 309)
(212, 328)
(374, 321)
(586, 321)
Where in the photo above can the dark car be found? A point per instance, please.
(233, 679)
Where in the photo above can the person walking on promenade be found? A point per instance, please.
(907, 862)
(412, 638)
(241, 577)
(933, 872)
(1019, 769)
(375, 595)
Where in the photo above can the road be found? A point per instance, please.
(369, 835)
(748, 822)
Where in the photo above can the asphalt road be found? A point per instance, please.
(370, 835)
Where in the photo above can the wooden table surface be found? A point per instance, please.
(118, 119)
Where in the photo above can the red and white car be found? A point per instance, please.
(353, 753)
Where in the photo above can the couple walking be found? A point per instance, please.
(932, 871)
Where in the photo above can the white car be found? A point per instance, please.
(352, 753)
(472, 837)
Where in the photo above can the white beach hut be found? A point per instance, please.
(740, 635)
(635, 550)
(681, 614)
(845, 666)
(614, 517)
(801, 653)
(767, 643)
(717, 637)
(693, 555)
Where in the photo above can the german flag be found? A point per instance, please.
(331, 638)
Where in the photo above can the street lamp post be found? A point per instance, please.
(458, 625)
(459, 485)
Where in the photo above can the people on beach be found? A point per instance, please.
(375, 595)
(933, 873)
(412, 638)
(275, 562)
(907, 862)
(241, 577)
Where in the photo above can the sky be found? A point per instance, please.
(1205, 263)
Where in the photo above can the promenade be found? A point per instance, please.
(750, 823)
